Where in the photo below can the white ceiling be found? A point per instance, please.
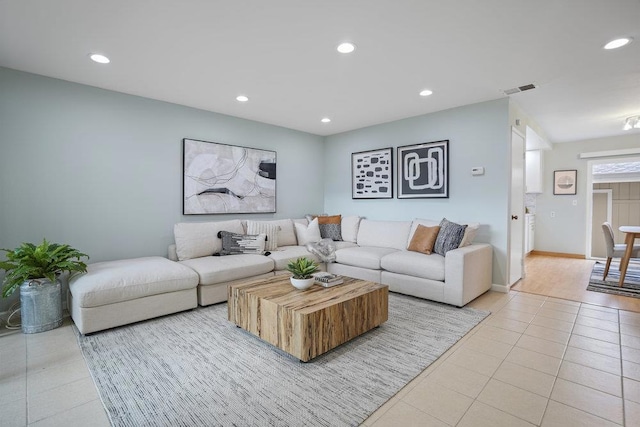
(281, 54)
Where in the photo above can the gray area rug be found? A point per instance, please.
(197, 369)
(631, 286)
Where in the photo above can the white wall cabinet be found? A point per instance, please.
(534, 171)
(529, 232)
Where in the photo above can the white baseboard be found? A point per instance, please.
(500, 288)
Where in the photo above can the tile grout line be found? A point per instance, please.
(475, 399)
(621, 376)
(555, 379)
(624, 409)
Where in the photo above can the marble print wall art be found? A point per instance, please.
(223, 179)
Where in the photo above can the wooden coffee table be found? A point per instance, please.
(307, 323)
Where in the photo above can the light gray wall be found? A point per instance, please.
(478, 135)
(566, 232)
(102, 171)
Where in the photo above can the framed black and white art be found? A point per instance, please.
(423, 170)
(565, 182)
(221, 178)
(372, 174)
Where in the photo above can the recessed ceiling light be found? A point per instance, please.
(242, 98)
(614, 44)
(325, 120)
(100, 59)
(632, 122)
(426, 92)
(346, 47)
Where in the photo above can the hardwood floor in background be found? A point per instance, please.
(567, 278)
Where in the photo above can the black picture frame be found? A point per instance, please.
(372, 174)
(423, 170)
(565, 182)
(223, 179)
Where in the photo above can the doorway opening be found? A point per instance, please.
(613, 195)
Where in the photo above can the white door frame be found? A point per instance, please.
(590, 190)
(609, 194)
(510, 212)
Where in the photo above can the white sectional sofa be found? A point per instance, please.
(370, 250)
(115, 293)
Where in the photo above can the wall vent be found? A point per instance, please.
(519, 89)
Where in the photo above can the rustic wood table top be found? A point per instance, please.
(307, 323)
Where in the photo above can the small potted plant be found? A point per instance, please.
(302, 270)
(35, 270)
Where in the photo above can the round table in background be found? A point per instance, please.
(631, 234)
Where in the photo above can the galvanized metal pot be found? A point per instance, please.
(40, 305)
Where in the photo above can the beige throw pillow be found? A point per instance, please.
(423, 239)
(268, 228)
(308, 234)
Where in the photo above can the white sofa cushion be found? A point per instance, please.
(384, 234)
(469, 233)
(221, 269)
(283, 255)
(364, 257)
(342, 245)
(415, 264)
(350, 225)
(198, 239)
(112, 282)
(308, 233)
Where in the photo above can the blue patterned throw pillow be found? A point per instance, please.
(449, 237)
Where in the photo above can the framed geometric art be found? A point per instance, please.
(423, 170)
(372, 174)
(221, 179)
(565, 182)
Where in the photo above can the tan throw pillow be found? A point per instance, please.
(423, 239)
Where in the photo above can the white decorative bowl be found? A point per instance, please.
(302, 284)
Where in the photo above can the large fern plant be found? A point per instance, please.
(46, 260)
(302, 268)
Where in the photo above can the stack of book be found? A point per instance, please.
(327, 279)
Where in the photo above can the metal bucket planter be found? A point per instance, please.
(40, 305)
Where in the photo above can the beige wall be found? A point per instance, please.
(565, 230)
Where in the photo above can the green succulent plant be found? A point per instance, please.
(46, 260)
(302, 268)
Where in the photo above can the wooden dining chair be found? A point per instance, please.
(614, 250)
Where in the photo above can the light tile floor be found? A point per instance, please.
(535, 361)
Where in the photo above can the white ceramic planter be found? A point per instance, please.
(302, 283)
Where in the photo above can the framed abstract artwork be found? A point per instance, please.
(423, 170)
(222, 179)
(565, 182)
(372, 174)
